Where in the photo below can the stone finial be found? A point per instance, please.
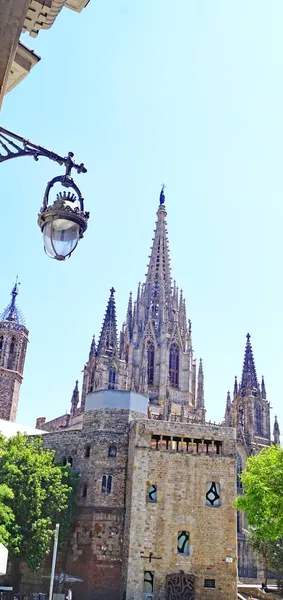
(276, 432)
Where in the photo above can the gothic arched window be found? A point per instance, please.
(91, 381)
(174, 365)
(150, 362)
(112, 378)
(11, 357)
(239, 466)
(258, 419)
(1, 343)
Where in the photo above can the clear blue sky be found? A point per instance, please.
(189, 92)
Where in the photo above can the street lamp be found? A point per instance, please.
(62, 221)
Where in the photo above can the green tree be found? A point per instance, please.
(41, 491)
(265, 549)
(6, 513)
(262, 498)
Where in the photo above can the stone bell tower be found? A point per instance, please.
(13, 345)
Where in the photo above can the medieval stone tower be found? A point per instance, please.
(154, 355)
(13, 345)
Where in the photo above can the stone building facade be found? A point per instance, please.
(153, 360)
(155, 502)
(13, 346)
(154, 357)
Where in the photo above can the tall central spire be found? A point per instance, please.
(107, 344)
(157, 288)
(249, 378)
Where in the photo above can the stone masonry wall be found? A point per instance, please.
(181, 480)
(95, 552)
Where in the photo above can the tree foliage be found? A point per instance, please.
(262, 498)
(39, 494)
(6, 514)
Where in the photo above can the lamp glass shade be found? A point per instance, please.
(60, 238)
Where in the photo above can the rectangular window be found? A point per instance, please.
(151, 495)
(183, 546)
(209, 583)
(148, 582)
(103, 484)
(212, 493)
(106, 484)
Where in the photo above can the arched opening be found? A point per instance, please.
(11, 357)
(84, 491)
(258, 419)
(239, 466)
(109, 484)
(1, 343)
(87, 451)
(150, 362)
(91, 381)
(112, 378)
(64, 461)
(174, 365)
(112, 451)
(106, 484)
(70, 461)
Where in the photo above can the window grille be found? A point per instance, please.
(212, 493)
(148, 582)
(151, 493)
(183, 545)
(209, 583)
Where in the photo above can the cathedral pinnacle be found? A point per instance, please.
(11, 312)
(92, 348)
(75, 397)
(107, 344)
(276, 432)
(249, 380)
(200, 388)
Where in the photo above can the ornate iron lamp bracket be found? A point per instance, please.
(14, 146)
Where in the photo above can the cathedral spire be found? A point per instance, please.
(92, 348)
(200, 389)
(75, 398)
(276, 432)
(107, 344)
(249, 380)
(11, 312)
(157, 289)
